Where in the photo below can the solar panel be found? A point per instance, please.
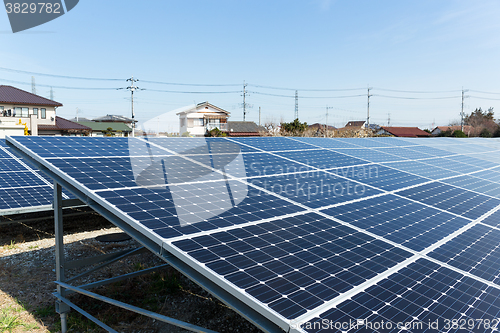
(22, 189)
(312, 233)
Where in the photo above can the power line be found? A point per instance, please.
(194, 92)
(417, 92)
(59, 76)
(484, 92)
(60, 87)
(292, 89)
(193, 84)
(293, 96)
(400, 97)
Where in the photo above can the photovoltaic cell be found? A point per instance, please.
(424, 295)
(305, 230)
(400, 220)
(476, 251)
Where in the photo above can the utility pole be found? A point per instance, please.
(462, 115)
(244, 102)
(259, 116)
(33, 88)
(368, 109)
(326, 123)
(77, 112)
(388, 120)
(296, 104)
(133, 88)
(51, 94)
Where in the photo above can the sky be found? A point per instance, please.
(416, 56)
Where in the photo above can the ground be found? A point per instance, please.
(27, 273)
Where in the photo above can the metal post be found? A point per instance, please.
(61, 307)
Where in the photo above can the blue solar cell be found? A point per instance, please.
(268, 263)
(423, 296)
(273, 143)
(369, 155)
(404, 153)
(263, 164)
(452, 199)
(475, 184)
(322, 159)
(315, 188)
(381, 177)
(449, 164)
(422, 169)
(493, 219)
(328, 143)
(400, 220)
(476, 251)
(26, 197)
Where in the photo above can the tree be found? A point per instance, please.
(459, 134)
(481, 120)
(108, 132)
(295, 128)
(485, 133)
(215, 133)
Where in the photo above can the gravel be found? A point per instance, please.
(27, 261)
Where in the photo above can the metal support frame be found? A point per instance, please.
(258, 319)
(64, 289)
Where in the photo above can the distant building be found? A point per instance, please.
(468, 130)
(357, 124)
(197, 119)
(31, 109)
(243, 128)
(407, 132)
(63, 126)
(118, 129)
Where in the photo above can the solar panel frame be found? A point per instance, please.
(275, 148)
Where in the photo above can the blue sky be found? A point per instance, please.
(432, 46)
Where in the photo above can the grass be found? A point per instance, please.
(10, 320)
(12, 245)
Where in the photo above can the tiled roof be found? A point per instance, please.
(12, 95)
(114, 118)
(357, 123)
(321, 126)
(242, 127)
(410, 132)
(103, 126)
(64, 125)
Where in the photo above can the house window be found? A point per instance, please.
(43, 113)
(35, 112)
(25, 112)
(17, 112)
(198, 122)
(2, 112)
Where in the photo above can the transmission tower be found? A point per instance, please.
(368, 109)
(244, 100)
(462, 114)
(296, 104)
(33, 88)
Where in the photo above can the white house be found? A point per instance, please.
(198, 118)
(31, 109)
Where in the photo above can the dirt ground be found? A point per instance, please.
(27, 262)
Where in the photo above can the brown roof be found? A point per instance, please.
(410, 132)
(321, 126)
(12, 95)
(356, 123)
(64, 125)
(454, 128)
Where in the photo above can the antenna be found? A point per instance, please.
(33, 88)
(462, 114)
(245, 105)
(296, 104)
(368, 109)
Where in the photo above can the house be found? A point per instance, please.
(468, 130)
(199, 118)
(102, 128)
(357, 124)
(407, 132)
(31, 109)
(110, 118)
(63, 126)
(243, 128)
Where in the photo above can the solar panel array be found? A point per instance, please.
(357, 235)
(22, 189)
